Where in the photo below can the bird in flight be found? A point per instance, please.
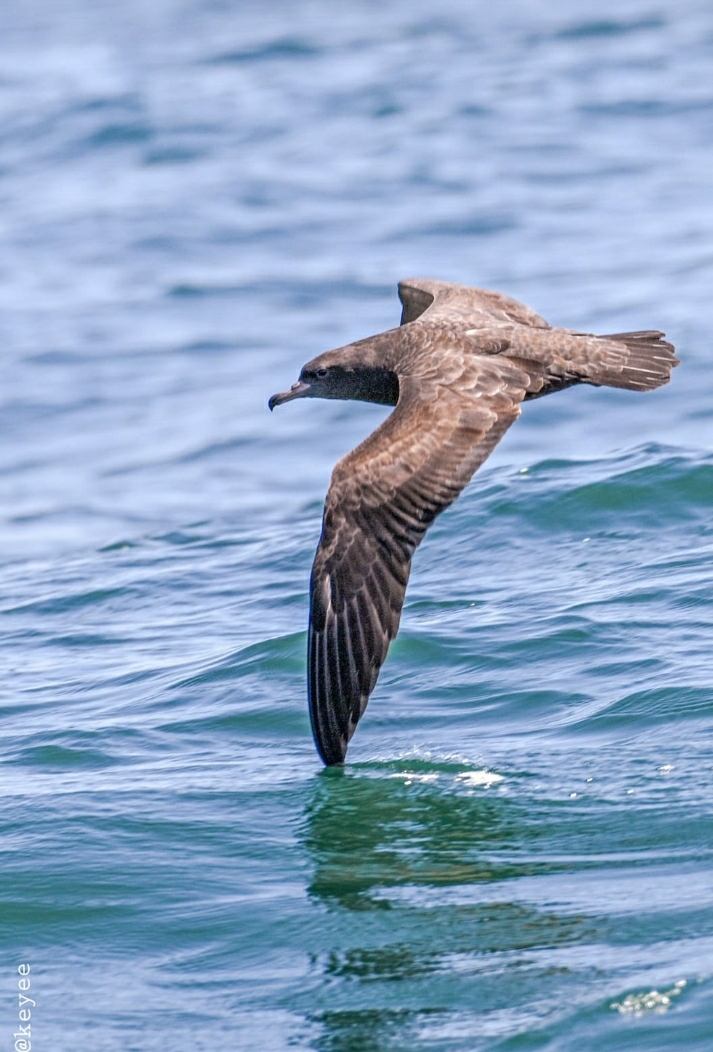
(457, 370)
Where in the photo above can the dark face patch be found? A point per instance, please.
(360, 383)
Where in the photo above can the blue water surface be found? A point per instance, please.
(196, 196)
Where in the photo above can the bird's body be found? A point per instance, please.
(456, 370)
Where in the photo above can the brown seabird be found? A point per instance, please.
(457, 370)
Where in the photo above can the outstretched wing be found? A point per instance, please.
(383, 497)
(477, 307)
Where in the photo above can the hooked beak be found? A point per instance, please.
(298, 390)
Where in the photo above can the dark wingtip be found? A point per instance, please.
(332, 749)
(330, 726)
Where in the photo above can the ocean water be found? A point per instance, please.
(195, 198)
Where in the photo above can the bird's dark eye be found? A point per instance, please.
(321, 373)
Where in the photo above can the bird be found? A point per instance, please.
(456, 369)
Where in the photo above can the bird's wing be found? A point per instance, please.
(383, 497)
(477, 307)
(499, 324)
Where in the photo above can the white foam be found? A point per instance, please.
(474, 778)
(653, 1001)
(471, 779)
(412, 776)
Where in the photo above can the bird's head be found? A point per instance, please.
(320, 378)
(342, 374)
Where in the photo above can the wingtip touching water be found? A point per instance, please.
(457, 371)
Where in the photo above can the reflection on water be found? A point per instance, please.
(412, 864)
(370, 831)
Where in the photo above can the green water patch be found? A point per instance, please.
(680, 705)
(278, 656)
(56, 757)
(484, 703)
(61, 750)
(257, 716)
(63, 604)
(120, 546)
(272, 50)
(410, 824)
(608, 28)
(554, 495)
(124, 134)
(417, 650)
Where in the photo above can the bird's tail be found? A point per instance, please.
(642, 361)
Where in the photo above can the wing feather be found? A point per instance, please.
(382, 499)
(480, 307)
